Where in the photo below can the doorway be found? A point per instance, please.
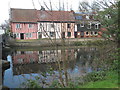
(75, 34)
(63, 34)
(21, 35)
(39, 35)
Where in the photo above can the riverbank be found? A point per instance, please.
(53, 42)
(111, 81)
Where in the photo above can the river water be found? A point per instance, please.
(48, 64)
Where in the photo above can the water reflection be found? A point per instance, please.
(49, 65)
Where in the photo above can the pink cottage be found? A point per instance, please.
(37, 24)
(24, 23)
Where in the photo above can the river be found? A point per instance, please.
(48, 64)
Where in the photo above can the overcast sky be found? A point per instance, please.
(5, 5)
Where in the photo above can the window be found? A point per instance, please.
(22, 52)
(28, 35)
(20, 60)
(95, 33)
(89, 26)
(87, 17)
(82, 25)
(30, 25)
(52, 34)
(18, 26)
(17, 35)
(107, 16)
(96, 26)
(69, 34)
(52, 25)
(87, 33)
(91, 33)
(78, 27)
(68, 25)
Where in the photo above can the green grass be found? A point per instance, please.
(111, 81)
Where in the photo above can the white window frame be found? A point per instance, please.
(87, 34)
(51, 34)
(97, 26)
(95, 34)
(78, 33)
(28, 35)
(82, 25)
(18, 26)
(17, 35)
(89, 25)
(92, 33)
(87, 17)
(52, 25)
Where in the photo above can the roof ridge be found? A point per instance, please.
(21, 9)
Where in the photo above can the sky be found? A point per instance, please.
(5, 5)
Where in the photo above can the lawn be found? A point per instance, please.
(111, 81)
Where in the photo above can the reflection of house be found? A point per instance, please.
(46, 56)
(49, 56)
(86, 25)
(25, 62)
(25, 57)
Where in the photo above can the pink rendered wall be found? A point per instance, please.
(25, 29)
(26, 58)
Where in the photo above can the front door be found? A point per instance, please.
(63, 34)
(39, 35)
(21, 35)
(75, 34)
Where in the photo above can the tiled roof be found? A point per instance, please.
(56, 16)
(23, 15)
(32, 15)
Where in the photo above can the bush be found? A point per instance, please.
(95, 76)
(78, 43)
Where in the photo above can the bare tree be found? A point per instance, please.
(5, 26)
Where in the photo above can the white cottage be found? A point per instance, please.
(55, 24)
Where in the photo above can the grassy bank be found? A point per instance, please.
(111, 81)
(58, 42)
